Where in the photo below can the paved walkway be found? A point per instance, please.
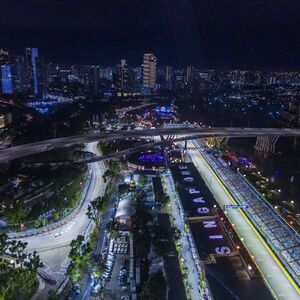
(193, 277)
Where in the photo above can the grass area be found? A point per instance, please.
(66, 184)
(93, 237)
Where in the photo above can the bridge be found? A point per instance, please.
(185, 132)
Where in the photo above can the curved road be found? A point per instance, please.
(63, 235)
(43, 146)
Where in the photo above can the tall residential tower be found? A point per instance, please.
(31, 55)
(122, 76)
(149, 71)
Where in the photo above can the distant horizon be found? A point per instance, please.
(225, 35)
(178, 66)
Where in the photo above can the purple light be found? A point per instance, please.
(151, 157)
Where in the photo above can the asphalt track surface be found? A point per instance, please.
(43, 146)
(64, 234)
(278, 280)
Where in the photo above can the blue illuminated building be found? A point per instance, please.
(6, 79)
(31, 55)
(163, 109)
(34, 56)
(151, 158)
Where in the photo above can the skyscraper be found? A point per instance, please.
(149, 71)
(19, 74)
(122, 76)
(36, 73)
(41, 78)
(3, 56)
(188, 75)
(6, 79)
(169, 73)
(31, 55)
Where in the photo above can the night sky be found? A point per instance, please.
(225, 34)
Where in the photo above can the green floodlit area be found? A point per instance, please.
(149, 151)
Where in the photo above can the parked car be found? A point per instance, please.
(77, 289)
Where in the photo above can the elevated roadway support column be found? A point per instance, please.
(266, 144)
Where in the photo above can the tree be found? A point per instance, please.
(17, 251)
(142, 180)
(115, 233)
(97, 267)
(79, 255)
(107, 174)
(17, 213)
(123, 188)
(162, 198)
(56, 216)
(3, 243)
(52, 295)
(79, 250)
(40, 222)
(115, 166)
(155, 287)
(33, 261)
(74, 272)
(17, 281)
(95, 209)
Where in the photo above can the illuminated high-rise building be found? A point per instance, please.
(31, 55)
(149, 71)
(122, 76)
(6, 79)
(19, 74)
(3, 56)
(188, 75)
(36, 73)
(169, 74)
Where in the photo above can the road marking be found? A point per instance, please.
(256, 233)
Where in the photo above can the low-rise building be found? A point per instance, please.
(126, 211)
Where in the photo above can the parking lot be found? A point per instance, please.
(117, 274)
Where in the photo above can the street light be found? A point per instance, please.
(249, 268)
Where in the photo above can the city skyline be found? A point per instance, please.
(150, 149)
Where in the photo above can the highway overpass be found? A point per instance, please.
(46, 145)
